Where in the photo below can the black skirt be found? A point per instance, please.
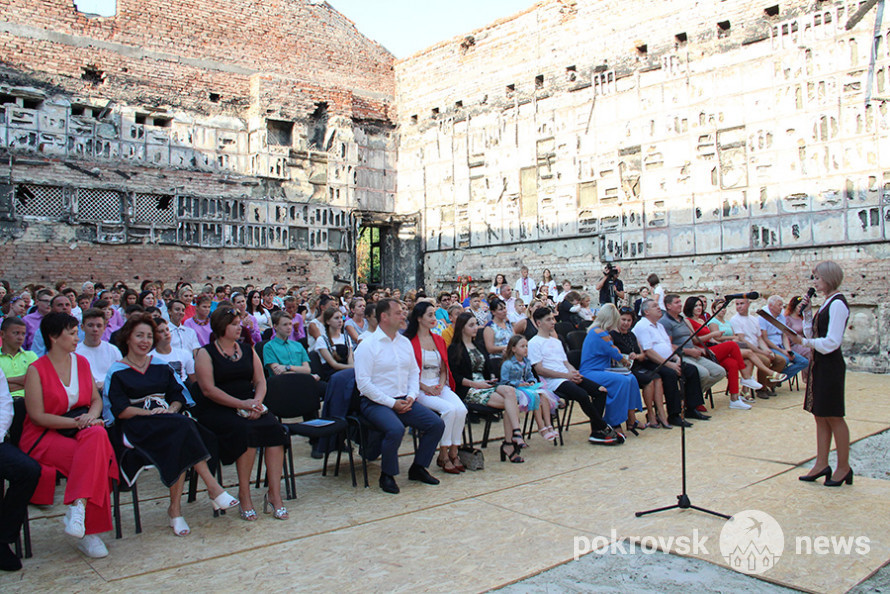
(825, 389)
(236, 434)
(171, 442)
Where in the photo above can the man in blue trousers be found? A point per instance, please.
(388, 378)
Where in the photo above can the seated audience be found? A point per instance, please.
(388, 378)
(498, 332)
(727, 353)
(597, 354)
(200, 320)
(778, 342)
(64, 432)
(436, 383)
(649, 381)
(334, 347)
(291, 307)
(181, 361)
(19, 471)
(794, 320)
(250, 332)
(356, 326)
(747, 328)
(531, 395)
(14, 359)
(261, 317)
(100, 354)
(656, 345)
(476, 383)
(145, 398)
(710, 372)
(233, 386)
(482, 315)
(181, 336)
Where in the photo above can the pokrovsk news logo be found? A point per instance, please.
(752, 542)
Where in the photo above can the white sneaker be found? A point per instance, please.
(751, 383)
(92, 546)
(739, 405)
(73, 520)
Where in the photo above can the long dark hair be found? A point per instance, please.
(456, 349)
(414, 319)
(689, 306)
(260, 309)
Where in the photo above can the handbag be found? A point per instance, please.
(71, 414)
(472, 458)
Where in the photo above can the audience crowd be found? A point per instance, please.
(98, 381)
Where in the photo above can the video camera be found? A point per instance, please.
(611, 272)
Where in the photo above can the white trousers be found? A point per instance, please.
(452, 411)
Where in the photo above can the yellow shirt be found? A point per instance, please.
(448, 334)
(16, 365)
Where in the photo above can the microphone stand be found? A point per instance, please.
(683, 498)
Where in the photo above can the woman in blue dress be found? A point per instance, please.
(597, 354)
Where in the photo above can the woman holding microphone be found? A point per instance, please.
(825, 390)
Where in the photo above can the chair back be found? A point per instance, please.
(315, 363)
(292, 395)
(258, 347)
(268, 333)
(496, 363)
(563, 329)
(18, 420)
(575, 339)
(574, 358)
(479, 340)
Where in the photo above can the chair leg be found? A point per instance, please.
(134, 492)
(193, 486)
(469, 429)
(567, 416)
(711, 397)
(259, 466)
(351, 460)
(526, 430)
(291, 476)
(26, 530)
(339, 457)
(486, 432)
(361, 436)
(116, 505)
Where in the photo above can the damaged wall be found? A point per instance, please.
(569, 134)
(160, 125)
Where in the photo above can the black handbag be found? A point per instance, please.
(71, 414)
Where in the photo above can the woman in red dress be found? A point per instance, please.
(64, 432)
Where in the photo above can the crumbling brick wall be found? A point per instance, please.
(198, 124)
(695, 134)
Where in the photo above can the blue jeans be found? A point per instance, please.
(794, 366)
(392, 425)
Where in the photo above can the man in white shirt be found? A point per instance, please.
(22, 474)
(748, 327)
(525, 287)
(656, 345)
(777, 342)
(388, 378)
(180, 360)
(99, 353)
(181, 336)
(510, 302)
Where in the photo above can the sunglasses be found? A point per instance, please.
(626, 310)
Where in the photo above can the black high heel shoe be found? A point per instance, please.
(847, 479)
(517, 439)
(826, 472)
(512, 454)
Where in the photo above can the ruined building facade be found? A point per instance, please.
(190, 139)
(726, 145)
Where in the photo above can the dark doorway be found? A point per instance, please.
(367, 256)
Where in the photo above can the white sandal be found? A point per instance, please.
(180, 528)
(223, 501)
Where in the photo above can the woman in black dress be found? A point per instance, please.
(650, 382)
(144, 396)
(233, 388)
(825, 390)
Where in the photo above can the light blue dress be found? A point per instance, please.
(623, 391)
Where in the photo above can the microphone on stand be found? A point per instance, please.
(751, 295)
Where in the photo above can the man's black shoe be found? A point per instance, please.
(694, 414)
(419, 473)
(388, 484)
(678, 421)
(317, 454)
(8, 560)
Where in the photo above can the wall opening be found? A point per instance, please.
(96, 8)
(279, 133)
(771, 11)
(539, 81)
(367, 256)
(681, 37)
(318, 126)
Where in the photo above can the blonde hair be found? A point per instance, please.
(607, 318)
(831, 273)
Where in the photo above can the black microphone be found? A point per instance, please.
(811, 292)
(751, 295)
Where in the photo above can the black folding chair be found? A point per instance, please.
(15, 433)
(292, 395)
(574, 357)
(575, 339)
(562, 330)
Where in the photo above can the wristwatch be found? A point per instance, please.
(287, 367)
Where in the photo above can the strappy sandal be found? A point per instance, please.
(248, 515)
(512, 454)
(278, 514)
(549, 433)
(517, 439)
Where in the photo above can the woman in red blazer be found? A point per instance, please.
(436, 383)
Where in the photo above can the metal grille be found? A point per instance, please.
(158, 209)
(99, 206)
(39, 201)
